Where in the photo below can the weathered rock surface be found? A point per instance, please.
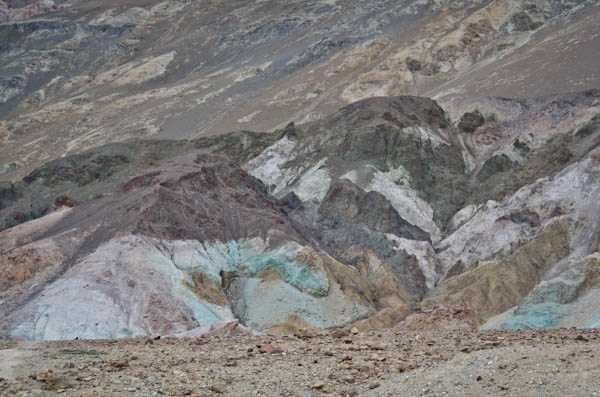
(25, 9)
(495, 287)
(346, 204)
(90, 74)
(470, 207)
(187, 243)
(354, 220)
(452, 317)
(564, 301)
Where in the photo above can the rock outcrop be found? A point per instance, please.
(353, 220)
(453, 317)
(565, 301)
(493, 288)
(398, 173)
(89, 74)
(346, 204)
(25, 9)
(190, 242)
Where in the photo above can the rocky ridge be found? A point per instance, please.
(387, 206)
(209, 242)
(362, 207)
(88, 75)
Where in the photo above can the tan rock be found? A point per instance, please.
(43, 376)
(440, 317)
(266, 349)
(318, 385)
(218, 387)
(339, 333)
(493, 288)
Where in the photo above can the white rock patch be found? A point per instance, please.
(410, 207)
(267, 165)
(425, 254)
(149, 70)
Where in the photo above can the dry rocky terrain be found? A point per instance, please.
(386, 206)
(407, 204)
(92, 72)
(460, 362)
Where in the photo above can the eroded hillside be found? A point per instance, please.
(386, 206)
(93, 73)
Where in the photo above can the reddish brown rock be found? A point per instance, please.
(440, 317)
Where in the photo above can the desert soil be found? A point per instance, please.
(395, 362)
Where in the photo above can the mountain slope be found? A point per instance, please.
(187, 243)
(91, 73)
(408, 155)
(387, 205)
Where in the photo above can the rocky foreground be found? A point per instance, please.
(233, 362)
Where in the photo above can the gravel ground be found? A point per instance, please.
(562, 362)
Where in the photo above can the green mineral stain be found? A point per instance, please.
(248, 258)
(537, 316)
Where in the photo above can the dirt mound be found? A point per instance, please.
(440, 317)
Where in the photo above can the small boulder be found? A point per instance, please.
(318, 385)
(266, 349)
(470, 121)
(218, 387)
(339, 333)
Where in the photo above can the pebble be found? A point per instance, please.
(374, 385)
(266, 349)
(218, 388)
(318, 385)
(339, 333)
